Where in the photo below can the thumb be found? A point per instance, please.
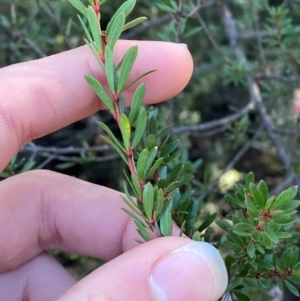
(165, 269)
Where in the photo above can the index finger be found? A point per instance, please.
(42, 96)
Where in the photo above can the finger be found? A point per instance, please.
(42, 96)
(165, 269)
(42, 278)
(53, 211)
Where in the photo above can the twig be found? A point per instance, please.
(232, 34)
(215, 123)
(59, 24)
(205, 28)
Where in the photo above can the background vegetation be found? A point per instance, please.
(238, 113)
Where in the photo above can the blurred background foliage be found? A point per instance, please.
(238, 113)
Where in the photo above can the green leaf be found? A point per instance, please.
(266, 241)
(252, 210)
(291, 288)
(285, 196)
(132, 207)
(196, 236)
(257, 196)
(234, 283)
(207, 222)
(126, 67)
(250, 178)
(93, 49)
(155, 166)
(152, 156)
(151, 142)
(165, 223)
(224, 225)
(119, 151)
(139, 77)
(143, 231)
(251, 250)
(86, 31)
(133, 23)
(263, 188)
(99, 90)
(111, 134)
(125, 130)
(166, 8)
(241, 296)
(109, 68)
(169, 148)
(232, 246)
(243, 227)
(192, 31)
(141, 164)
(271, 234)
(137, 187)
(159, 204)
(114, 29)
(130, 213)
(148, 200)
(152, 126)
(232, 201)
(79, 6)
(126, 7)
(139, 127)
(137, 101)
(270, 203)
(95, 28)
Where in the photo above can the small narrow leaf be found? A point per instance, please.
(99, 90)
(95, 28)
(148, 200)
(291, 288)
(111, 134)
(140, 127)
(165, 223)
(114, 31)
(126, 7)
(152, 126)
(141, 164)
(263, 188)
(133, 23)
(207, 222)
(119, 151)
(251, 250)
(137, 187)
(137, 101)
(159, 204)
(152, 156)
(155, 167)
(249, 179)
(169, 148)
(257, 196)
(285, 196)
(79, 6)
(109, 68)
(125, 130)
(86, 31)
(126, 67)
(139, 77)
(143, 231)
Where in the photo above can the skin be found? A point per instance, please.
(42, 210)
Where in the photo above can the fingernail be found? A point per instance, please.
(184, 45)
(195, 272)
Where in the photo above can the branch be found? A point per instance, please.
(233, 36)
(215, 123)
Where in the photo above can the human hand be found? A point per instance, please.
(42, 210)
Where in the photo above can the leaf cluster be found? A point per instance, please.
(261, 239)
